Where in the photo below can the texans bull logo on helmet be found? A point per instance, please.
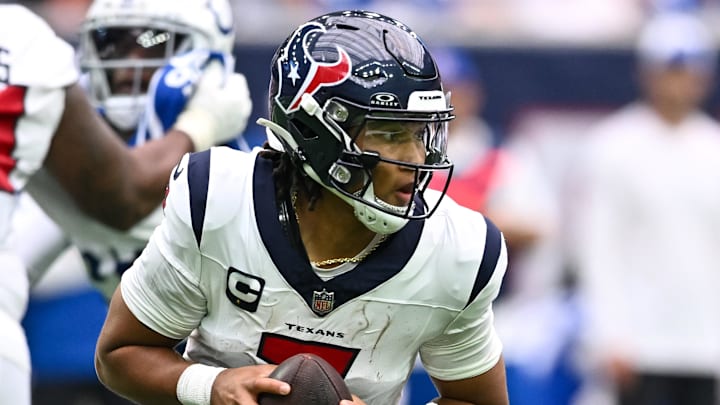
(302, 74)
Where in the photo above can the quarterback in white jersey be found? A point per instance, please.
(325, 241)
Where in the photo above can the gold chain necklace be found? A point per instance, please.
(337, 260)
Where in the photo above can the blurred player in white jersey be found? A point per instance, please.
(123, 46)
(325, 241)
(647, 251)
(46, 121)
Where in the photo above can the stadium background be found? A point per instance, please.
(548, 68)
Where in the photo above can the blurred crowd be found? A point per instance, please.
(461, 22)
(611, 213)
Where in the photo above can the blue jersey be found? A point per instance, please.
(168, 94)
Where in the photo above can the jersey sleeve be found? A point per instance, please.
(167, 288)
(163, 287)
(469, 345)
(32, 54)
(35, 68)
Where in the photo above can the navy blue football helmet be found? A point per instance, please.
(341, 72)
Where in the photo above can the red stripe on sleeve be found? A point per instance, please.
(12, 107)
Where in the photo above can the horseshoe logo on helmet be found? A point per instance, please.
(296, 63)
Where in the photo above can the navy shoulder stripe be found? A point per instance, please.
(493, 245)
(198, 177)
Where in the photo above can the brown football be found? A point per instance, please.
(313, 381)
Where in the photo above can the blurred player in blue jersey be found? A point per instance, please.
(325, 241)
(125, 49)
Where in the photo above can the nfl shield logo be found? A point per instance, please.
(323, 301)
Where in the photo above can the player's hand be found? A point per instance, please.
(218, 110)
(355, 401)
(241, 386)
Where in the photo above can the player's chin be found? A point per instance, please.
(397, 202)
(402, 199)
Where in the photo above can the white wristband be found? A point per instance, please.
(194, 387)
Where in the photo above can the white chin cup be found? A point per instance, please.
(375, 219)
(124, 112)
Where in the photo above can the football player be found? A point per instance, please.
(326, 241)
(123, 44)
(47, 121)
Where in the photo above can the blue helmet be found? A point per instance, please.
(335, 75)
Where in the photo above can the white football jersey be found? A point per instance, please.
(107, 252)
(221, 269)
(35, 68)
